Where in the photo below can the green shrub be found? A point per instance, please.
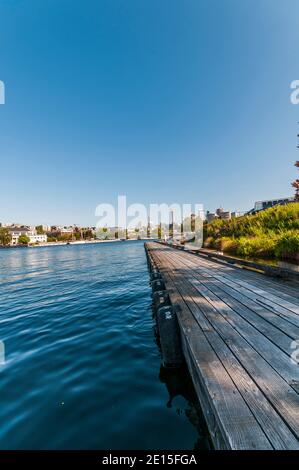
(256, 247)
(228, 244)
(268, 234)
(288, 245)
(274, 220)
(209, 242)
(23, 240)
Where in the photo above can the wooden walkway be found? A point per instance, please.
(237, 330)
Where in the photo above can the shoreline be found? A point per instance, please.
(77, 242)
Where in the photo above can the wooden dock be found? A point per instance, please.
(238, 331)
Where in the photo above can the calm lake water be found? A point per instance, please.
(82, 366)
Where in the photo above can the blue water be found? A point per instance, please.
(82, 366)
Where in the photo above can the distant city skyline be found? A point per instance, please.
(185, 102)
(160, 215)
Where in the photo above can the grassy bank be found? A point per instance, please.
(273, 233)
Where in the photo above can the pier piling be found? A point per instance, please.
(236, 329)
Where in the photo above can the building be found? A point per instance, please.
(222, 214)
(237, 214)
(58, 231)
(211, 216)
(5, 225)
(16, 232)
(262, 205)
(219, 214)
(10, 224)
(225, 215)
(45, 228)
(67, 230)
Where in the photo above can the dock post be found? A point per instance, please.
(167, 326)
(155, 275)
(160, 299)
(158, 285)
(170, 339)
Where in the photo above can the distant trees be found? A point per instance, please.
(5, 237)
(23, 240)
(87, 234)
(64, 237)
(102, 233)
(39, 230)
(295, 184)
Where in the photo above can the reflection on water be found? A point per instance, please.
(82, 366)
(179, 384)
(182, 395)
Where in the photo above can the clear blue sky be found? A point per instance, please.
(162, 100)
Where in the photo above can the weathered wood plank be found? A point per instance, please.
(278, 433)
(241, 337)
(274, 327)
(237, 425)
(288, 314)
(231, 328)
(287, 288)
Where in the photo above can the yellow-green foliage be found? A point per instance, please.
(259, 247)
(287, 245)
(209, 242)
(228, 244)
(269, 233)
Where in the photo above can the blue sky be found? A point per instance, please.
(164, 100)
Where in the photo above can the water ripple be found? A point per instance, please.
(82, 367)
